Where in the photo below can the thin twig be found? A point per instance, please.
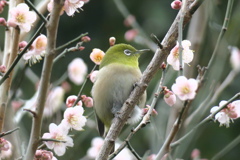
(19, 56)
(223, 30)
(180, 37)
(160, 55)
(133, 151)
(82, 87)
(67, 50)
(208, 118)
(8, 132)
(53, 140)
(226, 149)
(71, 42)
(38, 13)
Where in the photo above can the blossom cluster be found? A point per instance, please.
(58, 138)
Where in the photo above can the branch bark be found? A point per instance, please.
(52, 28)
(160, 55)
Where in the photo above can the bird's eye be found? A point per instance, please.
(127, 52)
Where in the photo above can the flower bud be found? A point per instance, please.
(129, 20)
(86, 39)
(131, 34)
(71, 100)
(169, 97)
(112, 41)
(2, 69)
(176, 4)
(2, 20)
(22, 45)
(88, 101)
(93, 76)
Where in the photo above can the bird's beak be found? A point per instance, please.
(142, 51)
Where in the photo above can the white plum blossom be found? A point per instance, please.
(73, 118)
(187, 55)
(96, 145)
(37, 51)
(77, 71)
(60, 133)
(97, 55)
(185, 88)
(72, 6)
(21, 16)
(54, 101)
(93, 76)
(235, 58)
(228, 114)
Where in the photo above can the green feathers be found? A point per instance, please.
(122, 54)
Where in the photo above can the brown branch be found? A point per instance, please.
(160, 55)
(46, 74)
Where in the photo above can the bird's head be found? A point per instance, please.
(122, 54)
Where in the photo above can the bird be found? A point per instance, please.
(118, 74)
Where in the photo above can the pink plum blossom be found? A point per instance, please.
(60, 133)
(88, 101)
(235, 58)
(71, 100)
(176, 4)
(77, 71)
(97, 55)
(73, 118)
(3, 22)
(6, 153)
(187, 55)
(50, 7)
(228, 114)
(131, 34)
(185, 88)
(37, 51)
(93, 76)
(169, 97)
(4, 144)
(44, 155)
(21, 16)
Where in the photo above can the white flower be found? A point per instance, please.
(21, 16)
(185, 88)
(77, 71)
(187, 55)
(54, 101)
(93, 76)
(59, 133)
(73, 118)
(96, 145)
(72, 6)
(228, 114)
(235, 58)
(37, 51)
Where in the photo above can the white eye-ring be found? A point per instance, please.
(127, 52)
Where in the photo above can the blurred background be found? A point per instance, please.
(103, 19)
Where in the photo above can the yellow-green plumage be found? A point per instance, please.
(118, 73)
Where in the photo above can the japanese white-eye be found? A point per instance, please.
(119, 72)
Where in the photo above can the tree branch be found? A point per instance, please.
(160, 55)
(52, 28)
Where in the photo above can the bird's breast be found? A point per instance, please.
(113, 86)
